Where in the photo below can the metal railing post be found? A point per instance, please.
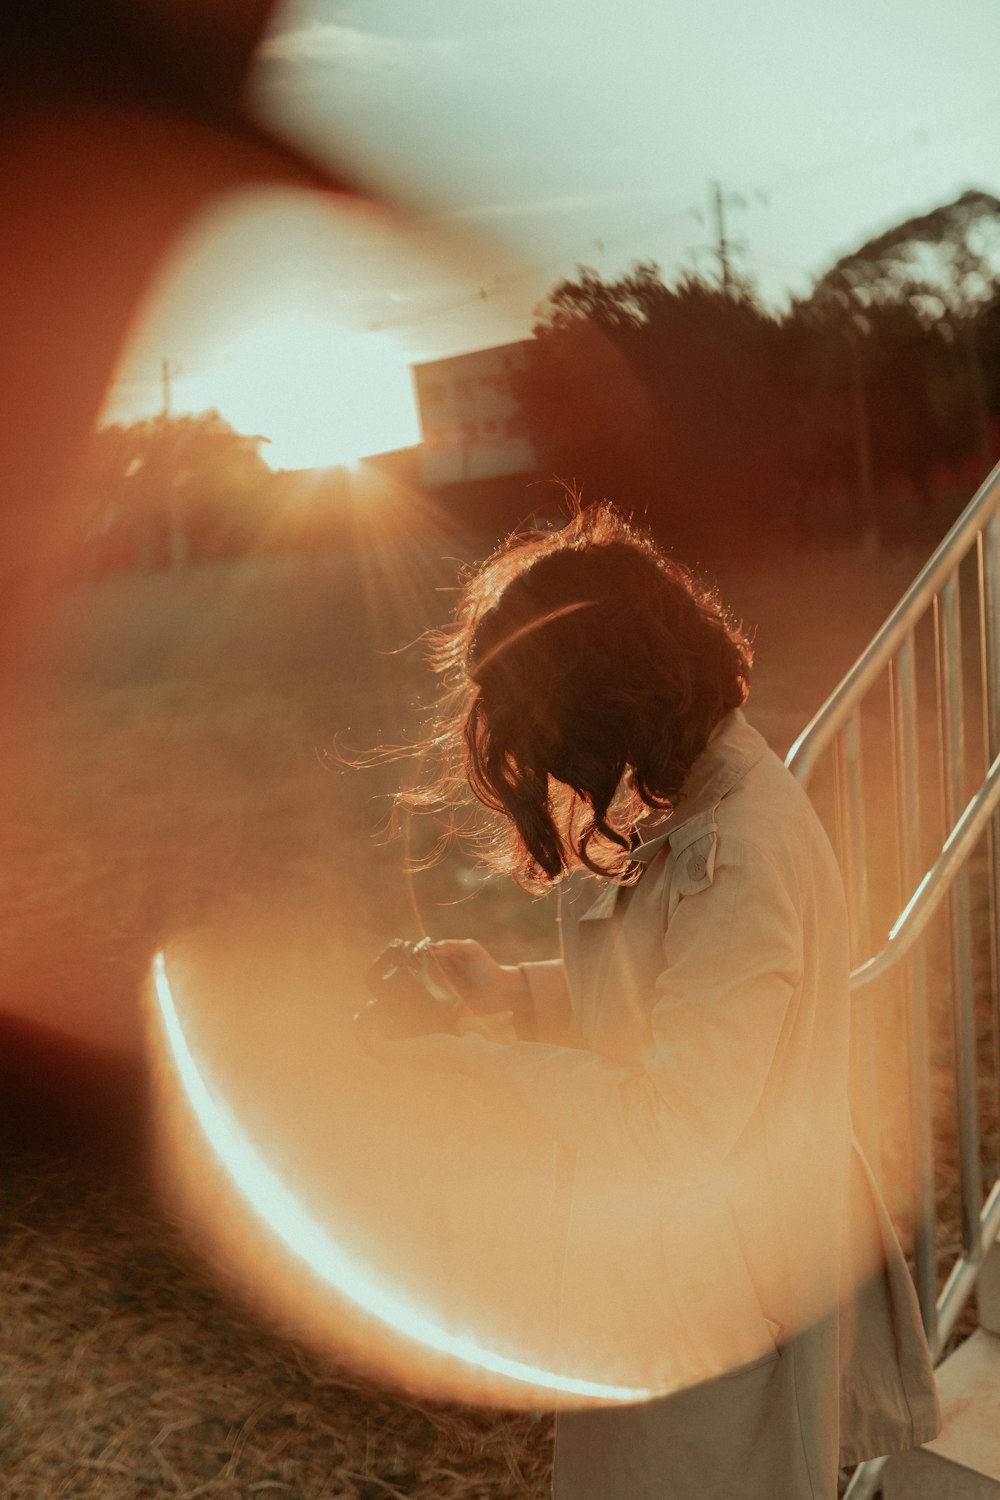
(918, 1038)
(960, 906)
(988, 544)
(864, 1036)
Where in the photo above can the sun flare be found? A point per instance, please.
(261, 314)
(317, 1247)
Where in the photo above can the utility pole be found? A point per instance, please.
(724, 247)
(867, 507)
(177, 542)
(977, 382)
(860, 421)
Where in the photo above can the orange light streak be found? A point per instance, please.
(289, 1220)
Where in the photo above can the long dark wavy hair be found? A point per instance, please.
(581, 676)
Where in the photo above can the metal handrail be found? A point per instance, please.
(932, 891)
(819, 732)
(837, 726)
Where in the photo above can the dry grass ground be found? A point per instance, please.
(126, 1373)
(164, 773)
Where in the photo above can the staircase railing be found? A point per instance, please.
(920, 853)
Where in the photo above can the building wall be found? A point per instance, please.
(469, 419)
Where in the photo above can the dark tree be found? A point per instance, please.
(666, 399)
(167, 491)
(939, 265)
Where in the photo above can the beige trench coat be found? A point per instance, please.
(717, 1233)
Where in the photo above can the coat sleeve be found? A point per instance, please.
(548, 994)
(732, 963)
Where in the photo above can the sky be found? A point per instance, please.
(520, 140)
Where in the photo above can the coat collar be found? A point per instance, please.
(733, 747)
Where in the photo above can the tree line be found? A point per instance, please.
(868, 409)
(853, 413)
(168, 491)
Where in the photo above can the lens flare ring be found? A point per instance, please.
(286, 1217)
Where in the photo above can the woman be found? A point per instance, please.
(689, 1050)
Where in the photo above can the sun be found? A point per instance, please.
(319, 394)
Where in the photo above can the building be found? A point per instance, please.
(470, 420)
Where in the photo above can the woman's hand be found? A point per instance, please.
(471, 973)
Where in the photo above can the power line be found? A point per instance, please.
(919, 135)
(724, 247)
(525, 270)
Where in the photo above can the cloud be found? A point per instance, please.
(330, 42)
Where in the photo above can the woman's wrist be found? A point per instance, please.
(517, 994)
